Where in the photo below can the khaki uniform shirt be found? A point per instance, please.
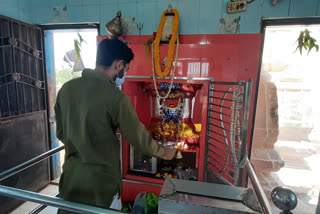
(88, 111)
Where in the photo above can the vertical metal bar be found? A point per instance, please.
(44, 74)
(33, 32)
(318, 206)
(40, 98)
(7, 86)
(206, 167)
(5, 72)
(33, 62)
(244, 127)
(22, 54)
(14, 67)
(264, 202)
(248, 106)
(28, 69)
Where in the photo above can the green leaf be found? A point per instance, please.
(77, 49)
(148, 45)
(305, 46)
(147, 50)
(81, 39)
(305, 41)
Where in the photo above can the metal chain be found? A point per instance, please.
(235, 128)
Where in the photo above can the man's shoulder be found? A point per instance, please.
(123, 98)
(69, 84)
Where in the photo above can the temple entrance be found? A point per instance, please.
(64, 62)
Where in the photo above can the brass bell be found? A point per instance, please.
(179, 155)
(114, 27)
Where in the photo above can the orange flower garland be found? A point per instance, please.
(171, 44)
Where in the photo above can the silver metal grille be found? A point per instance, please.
(227, 130)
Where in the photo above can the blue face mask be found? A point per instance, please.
(120, 81)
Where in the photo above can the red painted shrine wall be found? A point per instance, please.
(222, 57)
(230, 57)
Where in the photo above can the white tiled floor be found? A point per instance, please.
(49, 210)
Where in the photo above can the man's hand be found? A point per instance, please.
(169, 154)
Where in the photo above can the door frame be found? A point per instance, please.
(51, 82)
(270, 21)
(89, 25)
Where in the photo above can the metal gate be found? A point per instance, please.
(23, 109)
(22, 78)
(227, 131)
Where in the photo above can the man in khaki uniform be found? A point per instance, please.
(89, 110)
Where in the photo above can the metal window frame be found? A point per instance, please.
(271, 21)
(69, 26)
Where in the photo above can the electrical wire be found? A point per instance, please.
(249, 2)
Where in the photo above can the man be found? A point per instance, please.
(89, 110)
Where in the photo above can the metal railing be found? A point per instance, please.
(264, 202)
(29, 163)
(52, 201)
(82, 208)
(44, 199)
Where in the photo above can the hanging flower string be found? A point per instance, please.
(156, 67)
(172, 42)
(174, 70)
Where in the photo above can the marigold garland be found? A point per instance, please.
(171, 44)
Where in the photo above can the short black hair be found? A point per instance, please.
(110, 50)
